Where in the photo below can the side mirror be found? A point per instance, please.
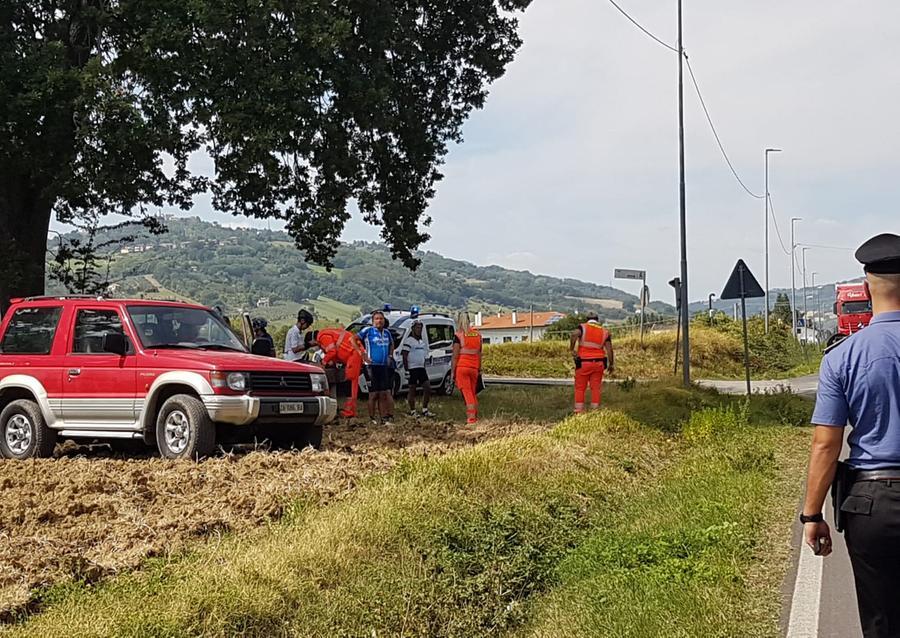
(835, 307)
(115, 343)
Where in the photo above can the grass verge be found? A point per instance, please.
(716, 353)
(493, 540)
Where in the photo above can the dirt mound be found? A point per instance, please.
(89, 513)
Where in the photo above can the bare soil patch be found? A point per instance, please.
(89, 513)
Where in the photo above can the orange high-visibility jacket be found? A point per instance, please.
(469, 349)
(593, 338)
(337, 344)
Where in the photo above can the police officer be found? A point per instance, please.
(859, 385)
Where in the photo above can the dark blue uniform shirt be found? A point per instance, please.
(859, 384)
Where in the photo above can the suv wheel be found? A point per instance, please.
(448, 386)
(184, 429)
(24, 433)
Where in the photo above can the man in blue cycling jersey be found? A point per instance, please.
(379, 344)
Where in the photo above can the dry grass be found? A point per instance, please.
(88, 513)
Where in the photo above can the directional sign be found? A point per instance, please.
(624, 273)
(742, 284)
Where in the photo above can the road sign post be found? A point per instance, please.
(639, 275)
(743, 285)
(676, 284)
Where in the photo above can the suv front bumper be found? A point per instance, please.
(246, 409)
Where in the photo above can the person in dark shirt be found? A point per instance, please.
(263, 344)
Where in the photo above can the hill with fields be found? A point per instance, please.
(241, 268)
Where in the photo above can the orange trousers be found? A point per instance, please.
(467, 381)
(352, 370)
(590, 373)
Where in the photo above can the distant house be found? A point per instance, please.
(263, 302)
(515, 327)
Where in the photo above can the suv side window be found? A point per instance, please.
(439, 336)
(31, 331)
(90, 326)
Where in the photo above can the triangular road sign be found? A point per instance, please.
(742, 284)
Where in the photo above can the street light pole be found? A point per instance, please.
(794, 277)
(768, 150)
(685, 315)
(805, 306)
(813, 284)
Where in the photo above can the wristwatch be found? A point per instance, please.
(815, 518)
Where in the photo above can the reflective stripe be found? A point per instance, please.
(595, 406)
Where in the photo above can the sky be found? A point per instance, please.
(571, 169)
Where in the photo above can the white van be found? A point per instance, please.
(437, 330)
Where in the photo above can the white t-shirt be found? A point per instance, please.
(417, 349)
(294, 338)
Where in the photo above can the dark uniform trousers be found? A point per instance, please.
(872, 531)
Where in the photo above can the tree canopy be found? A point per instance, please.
(305, 107)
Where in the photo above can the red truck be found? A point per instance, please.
(170, 375)
(853, 308)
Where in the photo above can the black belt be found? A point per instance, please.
(885, 474)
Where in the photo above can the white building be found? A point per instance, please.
(515, 327)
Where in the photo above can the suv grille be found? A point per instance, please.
(275, 382)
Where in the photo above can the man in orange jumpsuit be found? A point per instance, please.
(592, 349)
(466, 365)
(341, 346)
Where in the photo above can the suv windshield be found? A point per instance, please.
(856, 307)
(174, 327)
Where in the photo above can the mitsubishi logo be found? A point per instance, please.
(283, 383)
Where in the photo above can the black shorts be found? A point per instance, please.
(418, 377)
(380, 379)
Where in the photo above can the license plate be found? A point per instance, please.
(290, 408)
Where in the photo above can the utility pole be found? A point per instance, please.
(766, 314)
(805, 305)
(794, 277)
(816, 309)
(685, 315)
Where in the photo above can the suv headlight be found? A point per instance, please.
(319, 382)
(236, 381)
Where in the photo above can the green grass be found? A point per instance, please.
(603, 526)
(332, 309)
(322, 270)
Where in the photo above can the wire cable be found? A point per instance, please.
(771, 208)
(715, 133)
(639, 26)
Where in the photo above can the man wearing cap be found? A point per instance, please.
(859, 386)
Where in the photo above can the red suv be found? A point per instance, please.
(167, 373)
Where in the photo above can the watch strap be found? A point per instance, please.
(815, 518)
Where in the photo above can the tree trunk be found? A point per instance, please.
(24, 222)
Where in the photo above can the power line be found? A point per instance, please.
(715, 133)
(712, 126)
(771, 208)
(638, 25)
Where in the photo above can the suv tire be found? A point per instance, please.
(184, 429)
(24, 433)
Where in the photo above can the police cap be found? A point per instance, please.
(881, 254)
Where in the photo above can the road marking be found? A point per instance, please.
(804, 619)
